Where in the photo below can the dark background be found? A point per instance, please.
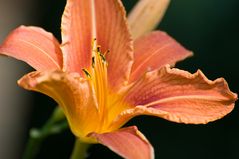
(210, 28)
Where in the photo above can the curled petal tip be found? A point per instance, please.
(128, 142)
(27, 82)
(179, 96)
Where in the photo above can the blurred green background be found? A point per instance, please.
(210, 28)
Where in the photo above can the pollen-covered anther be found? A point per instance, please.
(98, 49)
(93, 62)
(86, 73)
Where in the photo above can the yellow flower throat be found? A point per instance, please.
(97, 75)
(108, 103)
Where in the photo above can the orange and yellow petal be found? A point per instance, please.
(128, 142)
(179, 96)
(35, 46)
(155, 50)
(73, 94)
(112, 34)
(104, 20)
(76, 27)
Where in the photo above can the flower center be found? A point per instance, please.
(97, 75)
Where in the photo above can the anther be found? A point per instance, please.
(93, 62)
(86, 73)
(98, 48)
(102, 57)
(93, 42)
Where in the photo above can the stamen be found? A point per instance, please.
(93, 62)
(93, 44)
(103, 58)
(98, 49)
(98, 78)
(107, 52)
(86, 73)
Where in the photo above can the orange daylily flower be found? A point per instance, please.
(101, 78)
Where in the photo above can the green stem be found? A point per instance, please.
(55, 124)
(80, 150)
(33, 144)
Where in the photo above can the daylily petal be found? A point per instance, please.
(179, 96)
(77, 35)
(146, 15)
(34, 46)
(101, 19)
(128, 142)
(154, 51)
(72, 93)
(113, 34)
